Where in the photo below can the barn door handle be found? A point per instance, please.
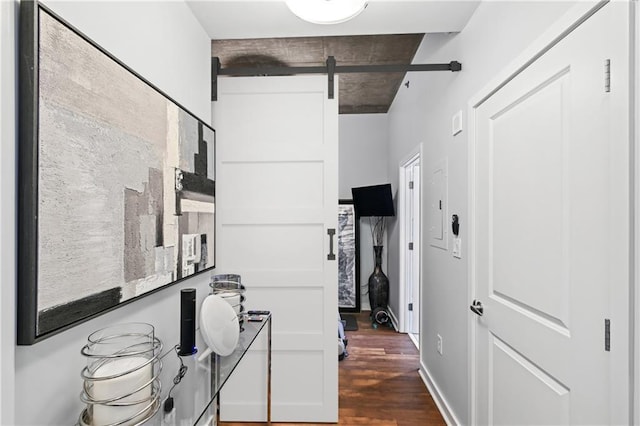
(331, 232)
(477, 308)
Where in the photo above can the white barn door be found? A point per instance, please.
(552, 235)
(277, 198)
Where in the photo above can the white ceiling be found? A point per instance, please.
(237, 19)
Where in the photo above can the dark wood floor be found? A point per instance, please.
(379, 382)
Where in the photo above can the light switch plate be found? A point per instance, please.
(456, 123)
(457, 248)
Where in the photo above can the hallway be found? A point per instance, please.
(379, 381)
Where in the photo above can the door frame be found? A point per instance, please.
(416, 152)
(572, 19)
(635, 110)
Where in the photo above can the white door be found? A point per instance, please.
(277, 198)
(412, 256)
(551, 236)
(415, 265)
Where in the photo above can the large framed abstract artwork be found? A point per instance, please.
(116, 182)
(348, 258)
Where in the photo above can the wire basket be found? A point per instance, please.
(230, 288)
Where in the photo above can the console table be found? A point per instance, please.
(197, 395)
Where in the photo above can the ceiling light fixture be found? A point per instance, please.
(326, 11)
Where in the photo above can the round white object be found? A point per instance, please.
(326, 11)
(219, 325)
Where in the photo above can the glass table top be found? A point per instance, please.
(194, 396)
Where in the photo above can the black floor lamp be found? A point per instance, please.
(376, 203)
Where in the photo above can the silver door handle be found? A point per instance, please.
(477, 308)
(331, 232)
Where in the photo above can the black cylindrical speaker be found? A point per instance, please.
(187, 322)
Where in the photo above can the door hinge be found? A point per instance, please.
(607, 334)
(440, 204)
(607, 75)
(410, 184)
(410, 246)
(411, 306)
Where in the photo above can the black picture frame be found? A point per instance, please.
(116, 182)
(348, 257)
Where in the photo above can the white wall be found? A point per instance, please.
(363, 162)
(635, 49)
(160, 40)
(363, 151)
(8, 13)
(495, 35)
(164, 43)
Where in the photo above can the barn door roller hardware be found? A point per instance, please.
(330, 69)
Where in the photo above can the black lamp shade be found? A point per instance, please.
(373, 200)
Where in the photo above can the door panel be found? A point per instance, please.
(299, 185)
(303, 308)
(549, 179)
(277, 141)
(302, 129)
(530, 164)
(551, 397)
(281, 246)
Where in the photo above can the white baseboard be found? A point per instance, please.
(414, 339)
(442, 404)
(394, 319)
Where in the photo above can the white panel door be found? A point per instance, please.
(415, 200)
(551, 248)
(413, 255)
(277, 196)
